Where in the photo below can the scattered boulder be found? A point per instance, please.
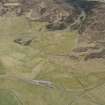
(56, 26)
(100, 53)
(23, 41)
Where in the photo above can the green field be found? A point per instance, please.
(8, 98)
(71, 82)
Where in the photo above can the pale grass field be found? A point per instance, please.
(74, 82)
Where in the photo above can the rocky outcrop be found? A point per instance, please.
(92, 32)
(25, 41)
(57, 13)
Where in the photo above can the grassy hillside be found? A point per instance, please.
(66, 82)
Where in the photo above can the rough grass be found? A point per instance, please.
(2, 69)
(8, 98)
(46, 58)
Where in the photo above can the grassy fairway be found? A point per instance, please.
(43, 60)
